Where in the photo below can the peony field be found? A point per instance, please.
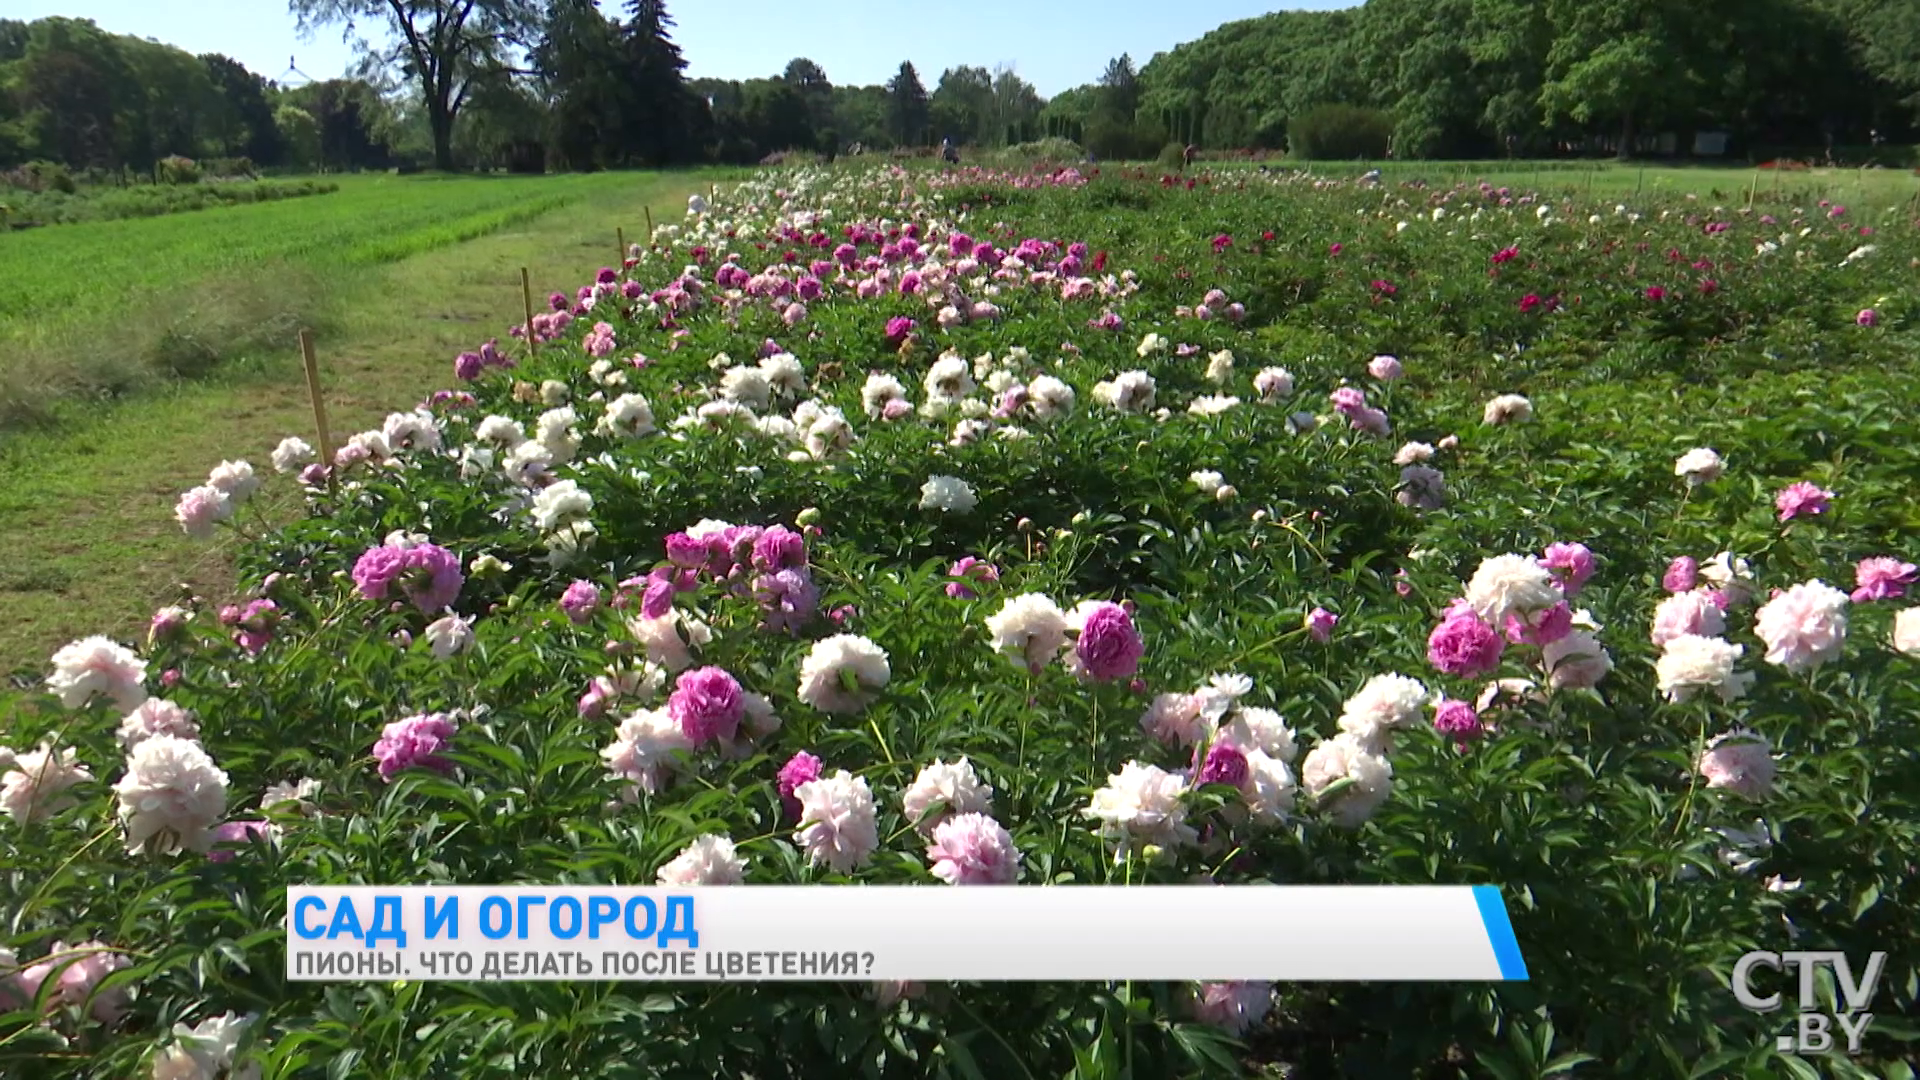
(1046, 527)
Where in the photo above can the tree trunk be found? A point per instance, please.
(440, 120)
(1626, 136)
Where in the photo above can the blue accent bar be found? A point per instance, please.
(1506, 949)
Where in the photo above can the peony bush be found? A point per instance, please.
(1045, 529)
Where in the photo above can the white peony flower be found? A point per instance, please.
(33, 785)
(97, 666)
(157, 717)
(843, 674)
(1699, 466)
(709, 860)
(1345, 758)
(1690, 663)
(171, 796)
(945, 790)
(1508, 408)
(1141, 805)
(1029, 629)
(948, 494)
(839, 822)
(292, 455)
(1511, 584)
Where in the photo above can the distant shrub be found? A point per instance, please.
(1173, 156)
(1043, 151)
(1339, 133)
(40, 176)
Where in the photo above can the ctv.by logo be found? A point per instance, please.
(1813, 1032)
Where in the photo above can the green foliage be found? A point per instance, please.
(1583, 803)
(1339, 133)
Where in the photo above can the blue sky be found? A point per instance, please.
(1055, 44)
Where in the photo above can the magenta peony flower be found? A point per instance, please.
(973, 849)
(1320, 624)
(1882, 578)
(1801, 498)
(779, 548)
(1108, 646)
(788, 598)
(467, 366)
(580, 601)
(684, 550)
(414, 741)
(1682, 574)
(801, 768)
(1572, 565)
(1464, 645)
(707, 704)
(1458, 720)
(1348, 400)
(1225, 764)
(1867, 317)
(1542, 627)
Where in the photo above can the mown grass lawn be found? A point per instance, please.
(398, 273)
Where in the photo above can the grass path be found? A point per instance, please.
(86, 515)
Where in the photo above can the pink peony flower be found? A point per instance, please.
(1233, 1007)
(428, 574)
(1882, 578)
(1867, 317)
(1385, 368)
(779, 548)
(580, 601)
(1108, 647)
(1687, 613)
(1804, 627)
(1572, 565)
(82, 968)
(973, 849)
(1682, 574)
(1740, 762)
(801, 768)
(969, 568)
(414, 741)
(1801, 498)
(1320, 624)
(707, 704)
(237, 833)
(1464, 645)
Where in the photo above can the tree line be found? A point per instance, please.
(537, 84)
(1481, 78)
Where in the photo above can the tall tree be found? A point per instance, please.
(907, 105)
(810, 79)
(656, 100)
(962, 104)
(1120, 86)
(580, 61)
(441, 45)
(244, 127)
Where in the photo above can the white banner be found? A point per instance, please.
(1273, 933)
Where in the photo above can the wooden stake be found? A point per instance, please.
(526, 293)
(313, 392)
(649, 211)
(622, 234)
(1754, 190)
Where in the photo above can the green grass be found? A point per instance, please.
(1628, 180)
(182, 294)
(86, 506)
(105, 203)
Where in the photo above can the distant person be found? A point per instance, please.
(1186, 159)
(949, 152)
